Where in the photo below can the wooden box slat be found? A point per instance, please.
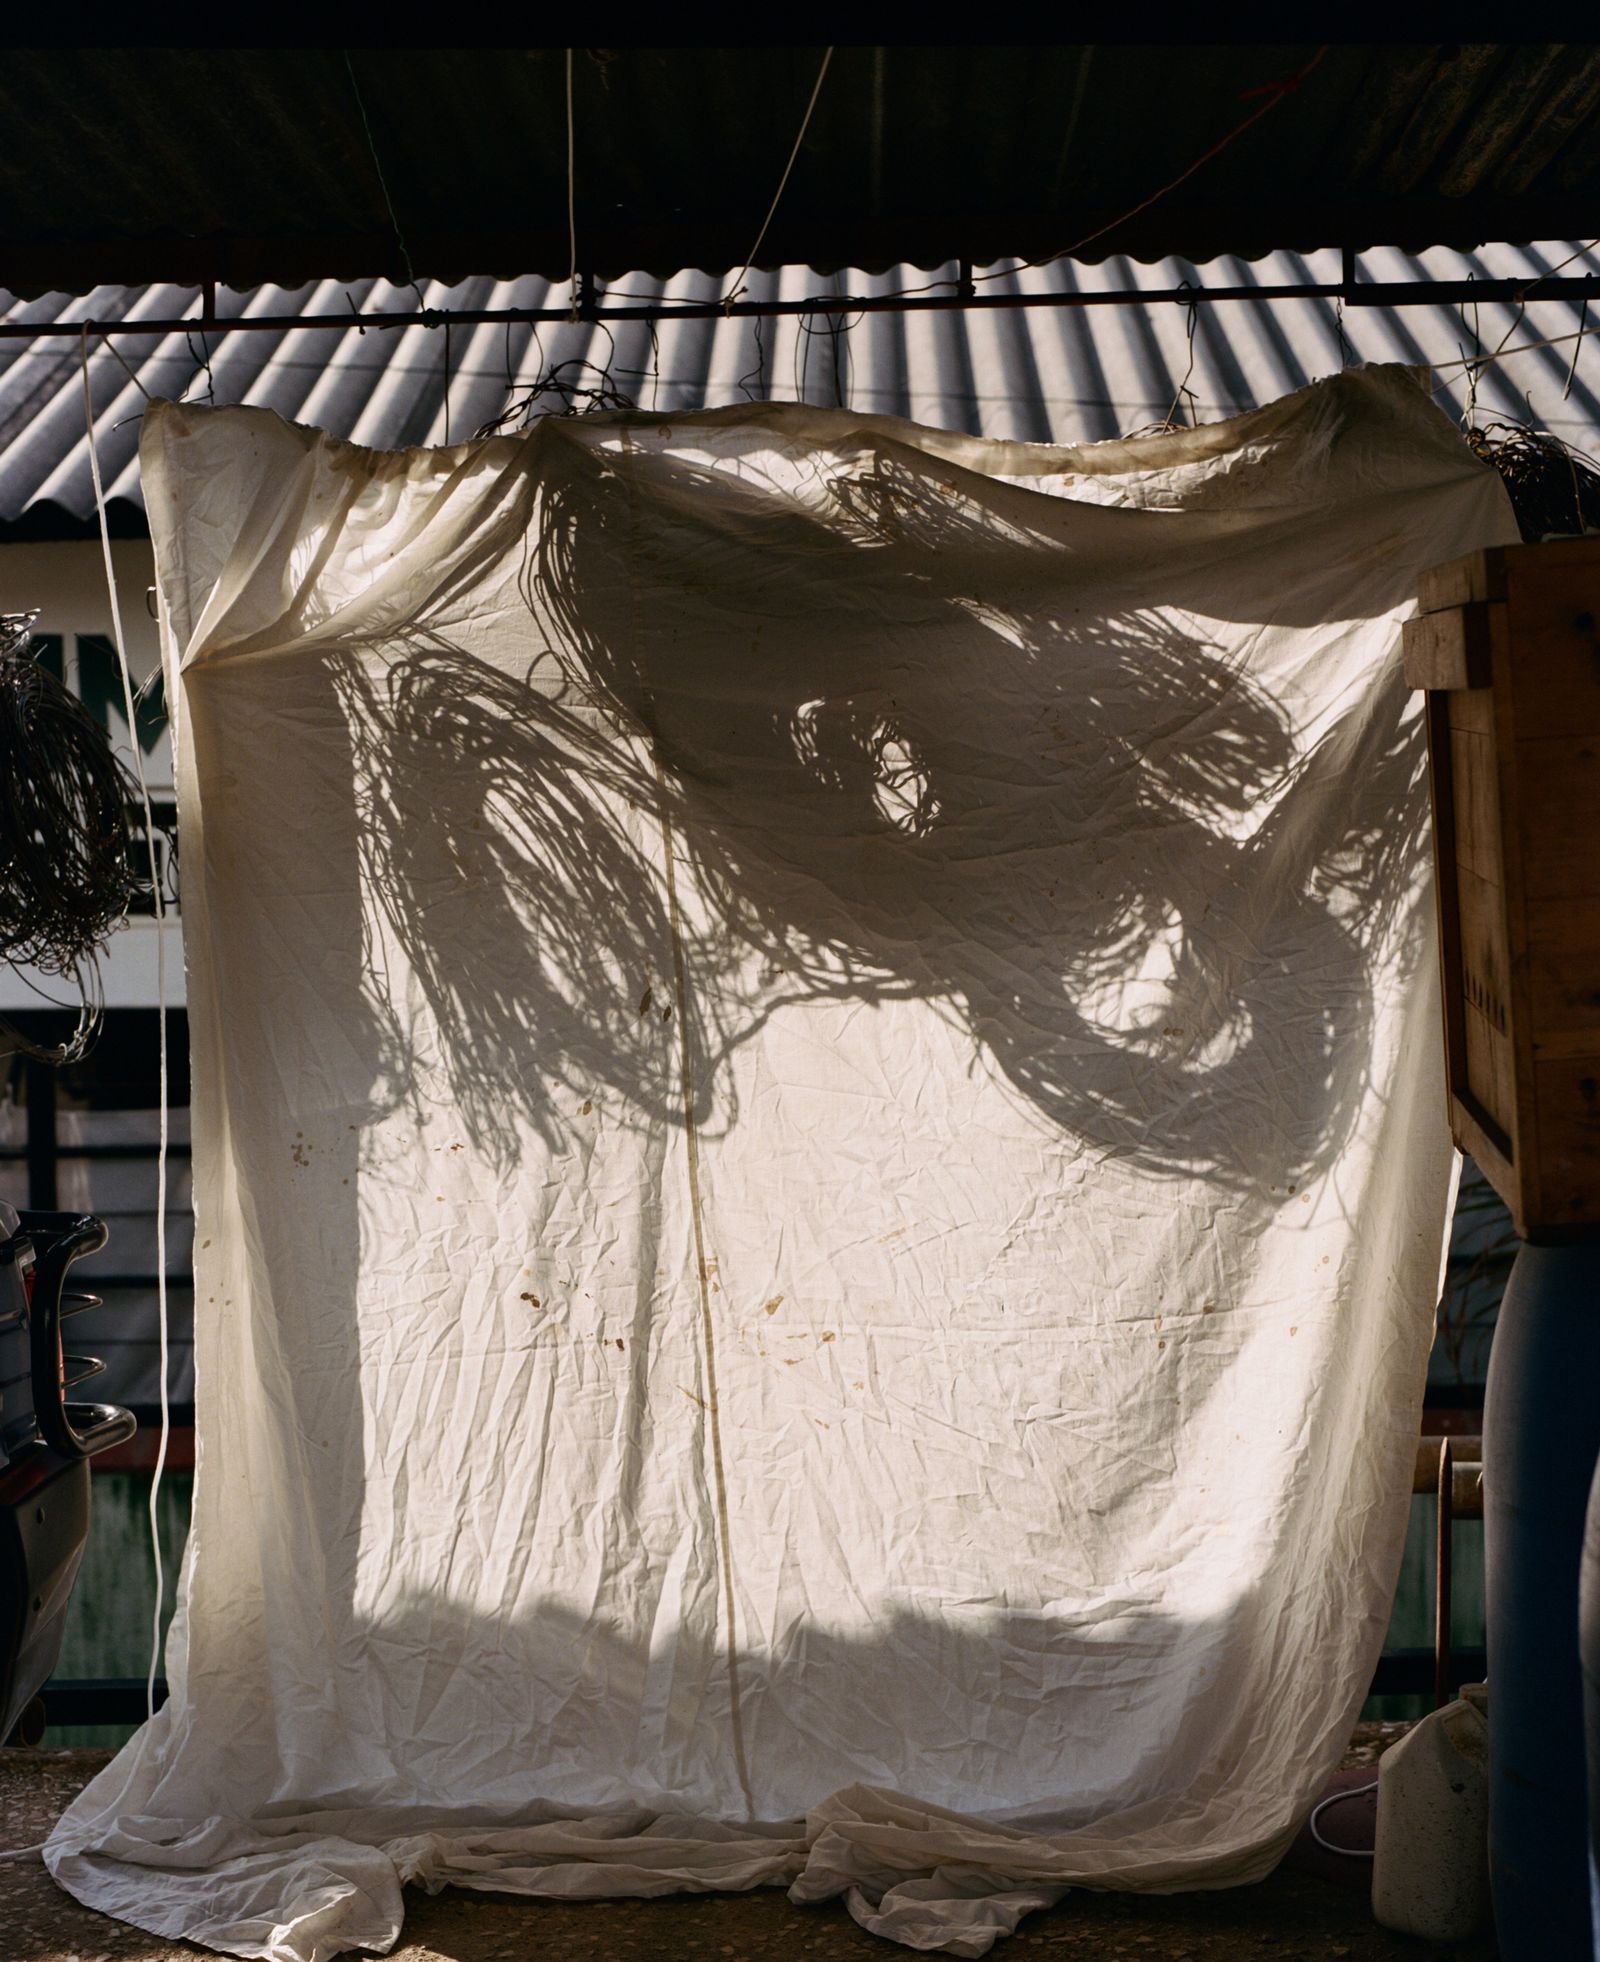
(1555, 681)
(1507, 645)
(1448, 650)
(1560, 779)
(1469, 581)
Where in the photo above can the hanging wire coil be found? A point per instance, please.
(66, 867)
(1554, 489)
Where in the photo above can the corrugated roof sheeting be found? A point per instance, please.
(1047, 374)
(247, 165)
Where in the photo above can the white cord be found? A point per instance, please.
(1481, 361)
(161, 1001)
(805, 124)
(1522, 298)
(572, 206)
(113, 350)
(1334, 1798)
(23, 1852)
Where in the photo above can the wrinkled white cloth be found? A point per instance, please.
(819, 1157)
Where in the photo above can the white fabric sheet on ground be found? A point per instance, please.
(819, 1157)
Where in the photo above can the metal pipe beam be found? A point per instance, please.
(1353, 293)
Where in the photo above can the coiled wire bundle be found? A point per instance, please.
(66, 867)
(1554, 489)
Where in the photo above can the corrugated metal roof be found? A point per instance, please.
(246, 165)
(1067, 375)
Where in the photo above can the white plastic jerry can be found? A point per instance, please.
(1430, 1870)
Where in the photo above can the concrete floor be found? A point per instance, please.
(1302, 1914)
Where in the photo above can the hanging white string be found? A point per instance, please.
(1577, 349)
(1338, 1798)
(737, 289)
(383, 182)
(1480, 361)
(1522, 298)
(161, 1000)
(572, 201)
(1475, 365)
(112, 349)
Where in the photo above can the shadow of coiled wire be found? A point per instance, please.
(1065, 826)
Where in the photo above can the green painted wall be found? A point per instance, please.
(108, 1629)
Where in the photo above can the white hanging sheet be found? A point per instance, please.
(819, 1157)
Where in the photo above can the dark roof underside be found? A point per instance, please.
(252, 165)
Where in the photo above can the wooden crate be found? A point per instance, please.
(1507, 645)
